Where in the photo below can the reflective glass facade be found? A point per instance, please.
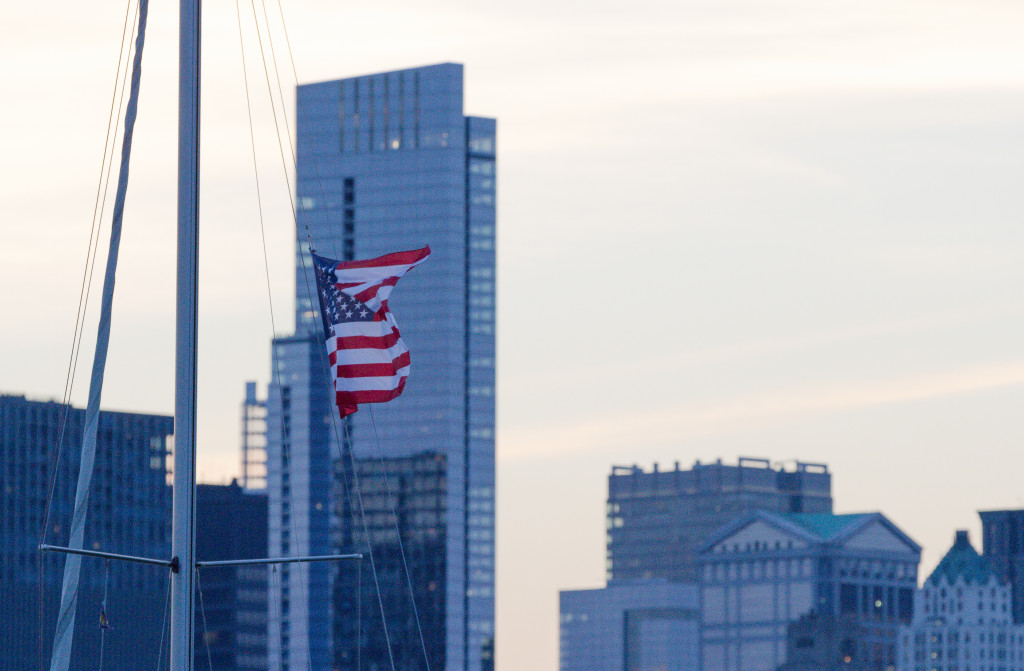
(129, 513)
(388, 162)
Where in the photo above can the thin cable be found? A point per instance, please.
(316, 164)
(286, 452)
(273, 107)
(294, 210)
(255, 168)
(69, 595)
(355, 478)
(359, 616)
(163, 628)
(202, 610)
(369, 547)
(398, 534)
(286, 447)
(89, 271)
(104, 624)
(90, 261)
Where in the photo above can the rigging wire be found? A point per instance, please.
(284, 574)
(273, 107)
(335, 419)
(398, 535)
(295, 77)
(345, 425)
(72, 565)
(163, 628)
(102, 186)
(255, 168)
(369, 542)
(104, 623)
(291, 196)
(202, 611)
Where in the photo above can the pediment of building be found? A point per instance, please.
(878, 536)
(759, 535)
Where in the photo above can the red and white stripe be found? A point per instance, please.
(369, 362)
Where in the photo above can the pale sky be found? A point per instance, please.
(783, 229)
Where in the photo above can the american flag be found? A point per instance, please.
(369, 361)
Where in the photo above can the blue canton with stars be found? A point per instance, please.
(336, 306)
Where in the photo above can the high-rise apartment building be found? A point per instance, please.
(389, 162)
(657, 519)
(129, 513)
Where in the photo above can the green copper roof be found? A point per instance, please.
(962, 560)
(825, 526)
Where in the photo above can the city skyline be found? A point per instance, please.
(815, 203)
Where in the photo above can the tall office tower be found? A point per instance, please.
(129, 513)
(389, 162)
(658, 519)
(962, 618)
(231, 626)
(1002, 541)
(764, 570)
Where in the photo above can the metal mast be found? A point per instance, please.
(183, 534)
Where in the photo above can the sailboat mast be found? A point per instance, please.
(184, 516)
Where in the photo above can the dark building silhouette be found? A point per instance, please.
(826, 642)
(1002, 541)
(129, 513)
(231, 626)
(657, 519)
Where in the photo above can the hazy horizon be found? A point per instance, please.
(784, 230)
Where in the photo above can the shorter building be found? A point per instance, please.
(963, 618)
(231, 625)
(657, 519)
(765, 570)
(1002, 541)
(649, 625)
(129, 512)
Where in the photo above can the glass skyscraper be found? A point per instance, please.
(389, 162)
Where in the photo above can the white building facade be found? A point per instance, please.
(963, 619)
(765, 570)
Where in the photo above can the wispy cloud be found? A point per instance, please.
(723, 416)
(677, 362)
